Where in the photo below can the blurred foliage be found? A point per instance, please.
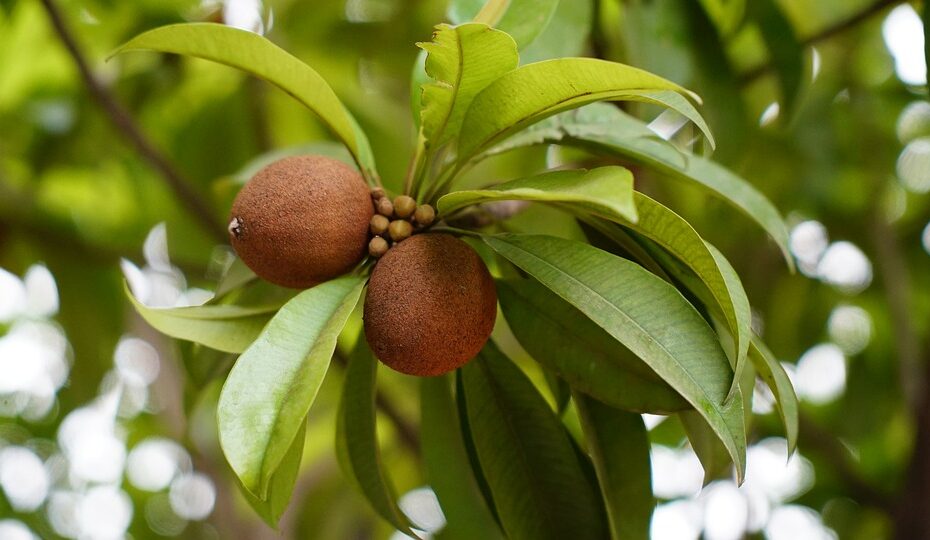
(75, 195)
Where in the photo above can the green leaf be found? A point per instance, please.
(357, 439)
(538, 485)
(606, 129)
(563, 339)
(533, 92)
(257, 56)
(522, 19)
(448, 469)
(785, 51)
(710, 451)
(786, 401)
(604, 191)
(567, 34)
(619, 447)
(226, 328)
(270, 389)
(462, 60)
(644, 313)
(281, 483)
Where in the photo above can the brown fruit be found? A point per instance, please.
(431, 305)
(302, 220)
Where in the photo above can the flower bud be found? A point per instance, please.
(404, 206)
(377, 247)
(400, 229)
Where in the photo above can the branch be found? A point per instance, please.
(838, 28)
(405, 430)
(195, 204)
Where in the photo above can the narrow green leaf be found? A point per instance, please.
(644, 313)
(563, 339)
(785, 51)
(786, 401)
(538, 485)
(606, 129)
(448, 469)
(257, 56)
(357, 438)
(281, 483)
(533, 92)
(226, 328)
(237, 275)
(270, 389)
(604, 191)
(710, 451)
(619, 447)
(462, 60)
(522, 19)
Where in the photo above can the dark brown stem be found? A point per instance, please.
(406, 431)
(837, 28)
(192, 200)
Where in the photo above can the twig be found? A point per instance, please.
(405, 430)
(197, 206)
(850, 22)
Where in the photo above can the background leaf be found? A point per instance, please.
(619, 447)
(538, 485)
(357, 438)
(448, 469)
(644, 313)
(535, 91)
(564, 340)
(256, 55)
(785, 51)
(522, 19)
(271, 387)
(226, 328)
(604, 191)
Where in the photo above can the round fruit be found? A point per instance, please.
(302, 220)
(378, 247)
(400, 230)
(424, 215)
(404, 206)
(431, 305)
(378, 224)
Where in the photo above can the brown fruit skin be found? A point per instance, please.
(302, 220)
(431, 305)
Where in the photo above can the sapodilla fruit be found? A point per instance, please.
(302, 220)
(431, 305)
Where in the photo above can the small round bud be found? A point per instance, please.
(385, 207)
(379, 224)
(377, 193)
(377, 247)
(404, 206)
(400, 230)
(425, 215)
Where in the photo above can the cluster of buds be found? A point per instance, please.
(395, 220)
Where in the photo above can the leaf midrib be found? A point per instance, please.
(717, 413)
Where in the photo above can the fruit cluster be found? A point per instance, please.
(431, 302)
(395, 220)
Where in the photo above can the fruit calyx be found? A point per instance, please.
(395, 220)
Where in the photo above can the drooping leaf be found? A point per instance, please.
(604, 191)
(237, 275)
(281, 483)
(619, 447)
(271, 387)
(522, 19)
(357, 440)
(533, 92)
(710, 451)
(257, 56)
(462, 60)
(226, 328)
(538, 485)
(560, 337)
(786, 401)
(448, 469)
(644, 313)
(606, 129)
(785, 51)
